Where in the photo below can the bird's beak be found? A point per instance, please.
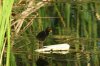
(50, 30)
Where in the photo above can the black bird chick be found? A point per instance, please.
(43, 34)
(42, 62)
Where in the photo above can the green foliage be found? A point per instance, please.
(5, 29)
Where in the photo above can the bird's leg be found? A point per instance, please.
(40, 44)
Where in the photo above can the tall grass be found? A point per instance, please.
(75, 19)
(5, 12)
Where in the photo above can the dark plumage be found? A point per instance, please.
(43, 34)
(42, 62)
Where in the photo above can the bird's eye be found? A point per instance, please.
(50, 30)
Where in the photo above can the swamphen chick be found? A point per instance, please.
(43, 34)
(42, 62)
